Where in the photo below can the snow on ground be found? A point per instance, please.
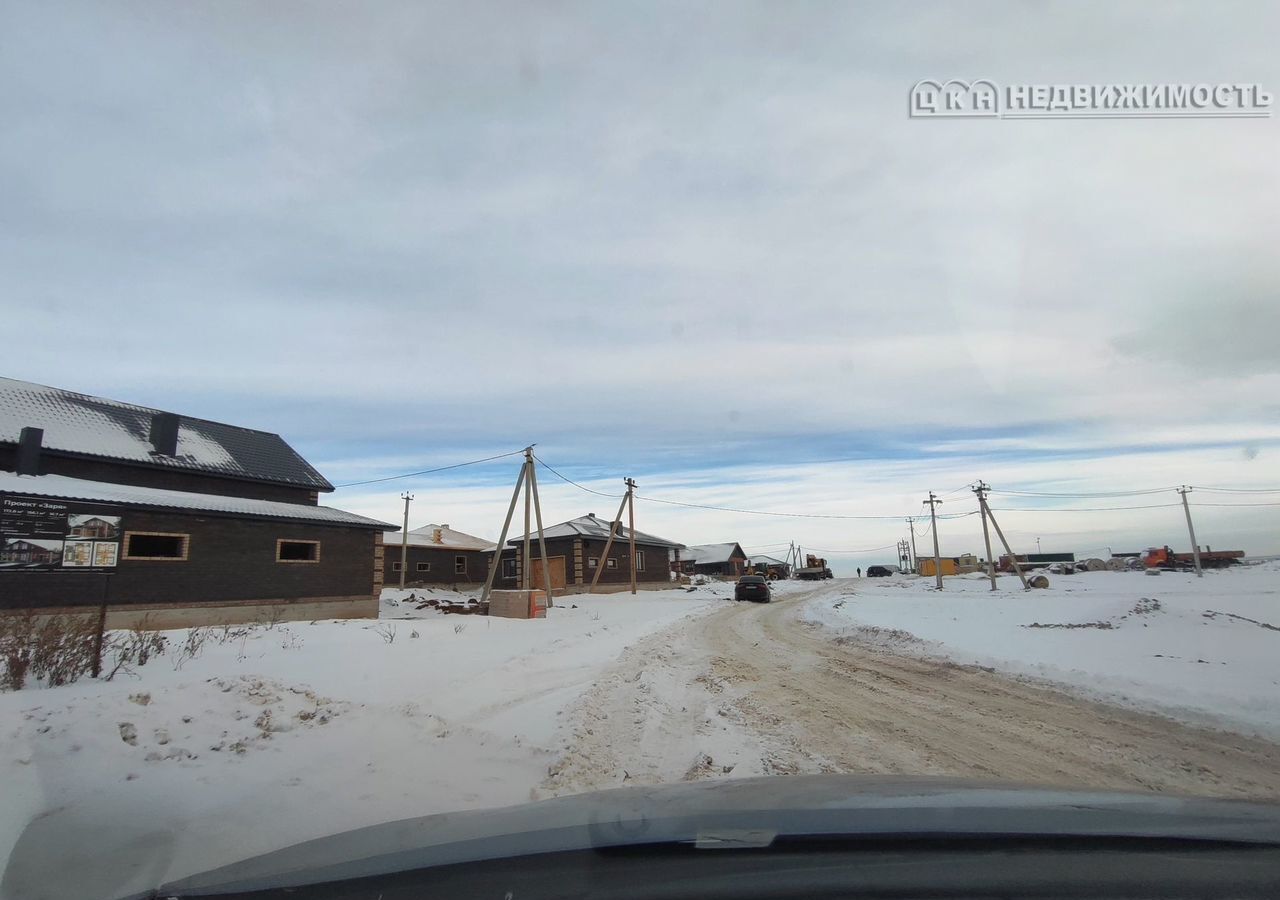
(1205, 650)
(280, 734)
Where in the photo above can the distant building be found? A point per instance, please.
(724, 560)
(437, 555)
(195, 522)
(575, 551)
(927, 565)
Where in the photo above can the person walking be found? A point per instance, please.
(859, 571)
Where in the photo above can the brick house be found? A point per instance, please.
(575, 549)
(437, 555)
(182, 519)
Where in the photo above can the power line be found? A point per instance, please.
(430, 471)
(1082, 508)
(1225, 490)
(1098, 495)
(1237, 504)
(868, 550)
(762, 512)
(569, 480)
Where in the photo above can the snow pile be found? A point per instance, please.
(1205, 650)
(312, 728)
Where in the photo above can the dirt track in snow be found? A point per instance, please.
(753, 690)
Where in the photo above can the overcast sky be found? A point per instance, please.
(699, 244)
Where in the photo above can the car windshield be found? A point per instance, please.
(395, 396)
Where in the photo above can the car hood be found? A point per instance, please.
(741, 813)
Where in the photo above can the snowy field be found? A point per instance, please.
(305, 729)
(1205, 650)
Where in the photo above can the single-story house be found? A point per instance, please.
(724, 560)
(182, 520)
(436, 555)
(575, 550)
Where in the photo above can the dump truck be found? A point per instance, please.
(1164, 558)
(815, 567)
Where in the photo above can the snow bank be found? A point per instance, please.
(282, 734)
(1202, 650)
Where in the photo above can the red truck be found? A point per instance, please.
(1164, 558)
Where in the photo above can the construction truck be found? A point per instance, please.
(1164, 558)
(815, 567)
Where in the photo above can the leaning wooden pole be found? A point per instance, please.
(502, 540)
(604, 557)
(542, 539)
(1013, 559)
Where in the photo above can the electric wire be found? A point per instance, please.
(472, 462)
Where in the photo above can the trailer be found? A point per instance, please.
(1165, 558)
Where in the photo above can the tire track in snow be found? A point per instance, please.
(755, 688)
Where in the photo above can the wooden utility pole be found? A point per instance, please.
(529, 482)
(631, 528)
(526, 570)
(981, 491)
(1191, 530)
(1013, 559)
(915, 560)
(502, 538)
(613, 528)
(933, 502)
(537, 511)
(404, 539)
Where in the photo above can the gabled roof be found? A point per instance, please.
(449, 539)
(761, 559)
(61, 487)
(705, 554)
(591, 526)
(92, 426)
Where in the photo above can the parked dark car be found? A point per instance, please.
(879, 572)
(752, 587)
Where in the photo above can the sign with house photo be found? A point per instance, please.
(41, 533)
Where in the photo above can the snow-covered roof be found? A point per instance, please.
(93, 426)
(704, 554)
(758, 559)
(592, 526)
(63, 488)
(450, 539)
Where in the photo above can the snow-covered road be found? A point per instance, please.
(300, 730)
(750, 690)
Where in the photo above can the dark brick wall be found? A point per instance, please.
(656, 567)
(441, 561)
(52, 463)
(227, 559)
